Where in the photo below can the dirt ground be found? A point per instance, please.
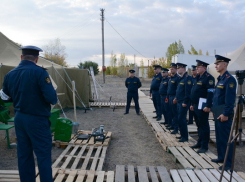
(133, 142)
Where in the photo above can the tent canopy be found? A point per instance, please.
(10, 58)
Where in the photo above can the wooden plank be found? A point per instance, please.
(131, 175)
(86, 161)
(242, 174)
(142, 174)
(110, 176)
(217, 174)
(175, 175)
(71, 176)
(101, 176)
(102, 159)
(68, 159)
(184, 175)
(237, 177)
(90, 177)
(209, 175)
(78, 157)
(228, 176)
(61, 156)
(120, 173)
(95, 160)
(153, 174)
(163, 173)
(192, 175)
(201, 175)
(81, 175)
(59, 178)
(180, 158)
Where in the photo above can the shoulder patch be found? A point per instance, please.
(47, 79)
(231, 85)
(211, 82)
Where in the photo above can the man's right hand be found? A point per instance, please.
(166, 100)
(150, 94)
(175, 101)
(191, 108)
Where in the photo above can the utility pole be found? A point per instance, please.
(103, 50)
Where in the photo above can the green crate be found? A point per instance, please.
(63, 129)
(55, 114)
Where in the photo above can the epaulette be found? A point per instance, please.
(227, 76)
(207, 74)
(42, 67)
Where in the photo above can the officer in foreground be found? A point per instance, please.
(192, 113)
(154, 91)
(223, 100)
(171, 94)
(133, 84)
(163, 94)
(202, 88)
(183, 100)
(31, 90)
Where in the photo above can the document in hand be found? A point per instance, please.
(217, 111)
(202, 103)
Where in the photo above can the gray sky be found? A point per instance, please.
(148, 25)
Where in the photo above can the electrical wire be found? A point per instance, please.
(124, 39)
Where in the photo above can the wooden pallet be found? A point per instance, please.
(9, 175)
(189, 159)
(76, 141)
(141, 174)
(81, 176)
(109, 104)
(82, 157)
(203, 175)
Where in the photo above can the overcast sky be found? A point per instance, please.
(148, 25)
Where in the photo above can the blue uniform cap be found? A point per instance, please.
(181, 65)
(131, 71)
(156, 66)
(201, 63)
(164, 70)
(193, 67)
(173, 65)
(30, 50)
(221, 59)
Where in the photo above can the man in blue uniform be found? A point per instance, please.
(133, 84)
(223, 100)
(192, 113)
(183, 100)
(163, 94)
(202, 88)
(154, 91)
(171, 94)
(31, 90)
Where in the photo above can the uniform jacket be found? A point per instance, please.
(200, 88)
(172, 84)
(30, 89)
(184, 89)
(155, 83)
(164, 86)
(133, 84)
(225, 93)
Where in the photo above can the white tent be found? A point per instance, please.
(10, 54)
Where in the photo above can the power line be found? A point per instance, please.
(125, 39)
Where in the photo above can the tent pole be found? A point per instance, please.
(74, 101)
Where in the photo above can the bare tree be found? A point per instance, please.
(55, 52)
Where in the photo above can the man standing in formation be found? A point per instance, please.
(171, 95)
(163, 94)
(201, 89)
(31, 90)
(223, 101)
(183, 100)
(192, 113)
(133, 84)
(154, 91)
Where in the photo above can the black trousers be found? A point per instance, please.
(134, 96)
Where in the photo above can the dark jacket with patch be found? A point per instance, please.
(30, 89)
(133, 84)
(225, 93)
(164, 86)
(173, 84)
(184, 89)
(155, 83)
(202, 88)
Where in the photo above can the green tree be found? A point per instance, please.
(108, 70)
(173, 49)
(55, 52)
(200, 52)
(88, 64)
(193, 51)
(207, 54)
(142, 68)
(122, 63)
(189, 52)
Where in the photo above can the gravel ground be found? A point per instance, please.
(133, 142)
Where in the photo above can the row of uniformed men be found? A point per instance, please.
(173, 95)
